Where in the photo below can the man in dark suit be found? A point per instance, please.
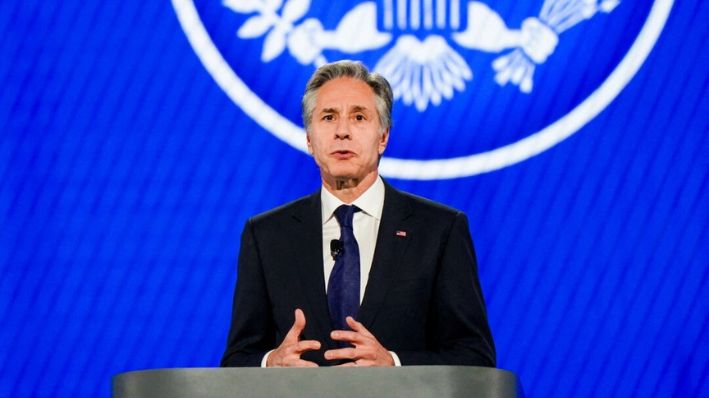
(358, 273)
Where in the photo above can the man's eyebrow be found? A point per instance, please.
(358, 108)
(329, 110)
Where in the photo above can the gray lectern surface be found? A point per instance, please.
(407, 381)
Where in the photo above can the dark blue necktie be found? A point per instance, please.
(343, 286)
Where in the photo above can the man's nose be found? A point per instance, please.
(343, 131)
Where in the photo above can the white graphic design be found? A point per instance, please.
(420, 71)
(356, 32)
(425, 71)
(539, 37)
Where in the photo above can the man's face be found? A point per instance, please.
(345, 136)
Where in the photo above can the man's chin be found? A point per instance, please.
(346, 172)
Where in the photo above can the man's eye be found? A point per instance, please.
(328, 117)
(360, 117)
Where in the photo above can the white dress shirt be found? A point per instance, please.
(365, 225)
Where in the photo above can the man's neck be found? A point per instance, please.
(349, 189)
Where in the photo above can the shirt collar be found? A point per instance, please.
(371, 202)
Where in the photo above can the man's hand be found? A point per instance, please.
(290, 350)
(367, 350)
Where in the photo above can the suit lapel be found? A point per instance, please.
(309, 247)
(389, 250)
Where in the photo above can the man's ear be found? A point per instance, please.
(383, 141)
(310, 145)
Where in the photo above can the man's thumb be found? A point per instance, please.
(298, 325)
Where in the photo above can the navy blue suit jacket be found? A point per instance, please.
(423, 299)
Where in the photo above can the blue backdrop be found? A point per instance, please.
(128, 168)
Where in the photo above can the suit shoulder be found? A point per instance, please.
(428, 206)
(281, 212)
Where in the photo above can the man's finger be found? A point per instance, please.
(348, 336)
(299, 323)
(298, 326)
(341, 353)
(307, 345)
(358, 327)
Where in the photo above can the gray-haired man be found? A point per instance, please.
(358, 273)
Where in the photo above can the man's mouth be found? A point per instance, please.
(342, 154)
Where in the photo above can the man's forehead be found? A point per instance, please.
(345, 92)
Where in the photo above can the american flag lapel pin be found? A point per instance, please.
(400, 233)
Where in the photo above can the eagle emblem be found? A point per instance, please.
(479, 84)
(420, 64)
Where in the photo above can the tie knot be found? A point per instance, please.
(344, 215)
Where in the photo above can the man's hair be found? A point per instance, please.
(353, 69)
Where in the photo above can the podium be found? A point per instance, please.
(406, 381)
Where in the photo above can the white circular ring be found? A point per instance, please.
(431, 169)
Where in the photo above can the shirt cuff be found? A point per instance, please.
(397, 362)
(264, 361)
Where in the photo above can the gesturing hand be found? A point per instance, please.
(367, 350)
(290, 350)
